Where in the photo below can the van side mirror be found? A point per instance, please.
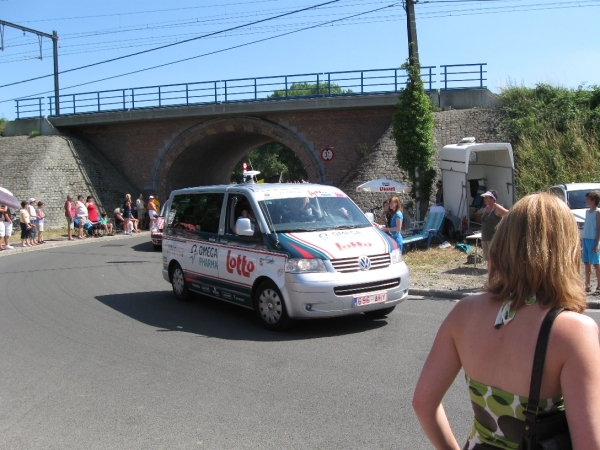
(370, 216)
(244, 227)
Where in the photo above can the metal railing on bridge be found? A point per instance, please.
(272, 88)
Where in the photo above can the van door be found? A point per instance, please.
(239, 254)
(195, 226)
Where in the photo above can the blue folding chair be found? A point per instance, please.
(431, 230)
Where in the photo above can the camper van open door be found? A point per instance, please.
(468, 170)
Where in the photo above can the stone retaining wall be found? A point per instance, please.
(450, 127)
(50, 167)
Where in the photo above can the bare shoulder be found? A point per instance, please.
(469, 307)
(575, 324)
(501, 210)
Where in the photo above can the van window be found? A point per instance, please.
(312, 214)
(239, 206)
(197, 212)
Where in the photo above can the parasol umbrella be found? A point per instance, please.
(382, 185)
(8, 199)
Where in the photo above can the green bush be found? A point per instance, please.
(34, 133)
(555, 133)
(2, 124)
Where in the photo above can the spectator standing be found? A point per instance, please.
(81, 214)
(25, 222)
(140, 206)
(439, 194)
(127, 216)
(41, 220)
(395, 226)
(534, 267)
(68, 207)
(7, 222)
(384, 218)
(156, 203)
(490, 219)
(33, 219)
(3, 209)
(151, 211)
(591, 240)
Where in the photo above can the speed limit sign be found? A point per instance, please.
(327, 154)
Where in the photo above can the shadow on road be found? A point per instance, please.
(145, 247)
(209, 317)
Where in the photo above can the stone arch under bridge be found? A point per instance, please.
(207, 153)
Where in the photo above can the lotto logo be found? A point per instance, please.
(243, 267)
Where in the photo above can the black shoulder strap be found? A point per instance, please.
(538, 363)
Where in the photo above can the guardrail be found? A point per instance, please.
(271, 88)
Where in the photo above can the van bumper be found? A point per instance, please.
(314, 295)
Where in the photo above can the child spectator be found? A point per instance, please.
(591, 239)
(106, 225)
(41, 215)
(26, 226)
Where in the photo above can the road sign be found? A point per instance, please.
(327, 154)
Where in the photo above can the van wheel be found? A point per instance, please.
(270, 308)
(450, 230)
(157, 247)
(180, 288)
(379, 312)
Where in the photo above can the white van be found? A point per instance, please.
(288, 251)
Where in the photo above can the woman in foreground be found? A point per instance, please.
(534, 266)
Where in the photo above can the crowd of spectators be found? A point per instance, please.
(81, 215)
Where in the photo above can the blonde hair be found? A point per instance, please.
(536, 250)
(398, 203)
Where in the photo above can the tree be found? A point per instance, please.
(272, 159)
(310, 90)
(412, 129)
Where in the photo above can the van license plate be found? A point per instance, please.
(370, 299)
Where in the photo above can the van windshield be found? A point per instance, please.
(312, 214)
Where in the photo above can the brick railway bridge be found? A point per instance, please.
(198, 138)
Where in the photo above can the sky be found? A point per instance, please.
(523, 42)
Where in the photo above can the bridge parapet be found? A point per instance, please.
(272, 88)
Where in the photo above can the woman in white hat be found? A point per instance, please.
(490, 219)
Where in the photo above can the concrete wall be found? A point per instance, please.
(51, 167)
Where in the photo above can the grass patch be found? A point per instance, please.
(433, 260)
(57, 233)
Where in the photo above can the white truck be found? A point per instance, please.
(468, 170)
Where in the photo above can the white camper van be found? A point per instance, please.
(468, 170)
(288, 251)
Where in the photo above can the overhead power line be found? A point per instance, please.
(175, 43)
(218, 51)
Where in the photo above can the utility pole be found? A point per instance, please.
(411, 27)
(54, 38)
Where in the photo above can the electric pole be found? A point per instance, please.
(411, 27)
(54, 38)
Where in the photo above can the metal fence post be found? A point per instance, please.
(40, 106)
(187, 95)
(255, 89)
(445, 77)
(481, 76)
(124, 99)
(132, 98)
(361, 82)
(225, 91)
(98, 101)
(395, 80)
(74, 104)
(215, 92)
(286, 88)
(329, 84)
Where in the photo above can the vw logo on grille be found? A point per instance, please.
(364, 262)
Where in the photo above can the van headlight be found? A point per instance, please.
(396, 256)
(298, 265)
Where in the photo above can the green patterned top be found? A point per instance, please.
(499, 416)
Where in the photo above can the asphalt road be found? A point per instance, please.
(95, 353)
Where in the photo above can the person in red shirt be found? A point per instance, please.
(93, 214)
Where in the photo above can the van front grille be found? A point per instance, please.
(362, 288)
(346, 265)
